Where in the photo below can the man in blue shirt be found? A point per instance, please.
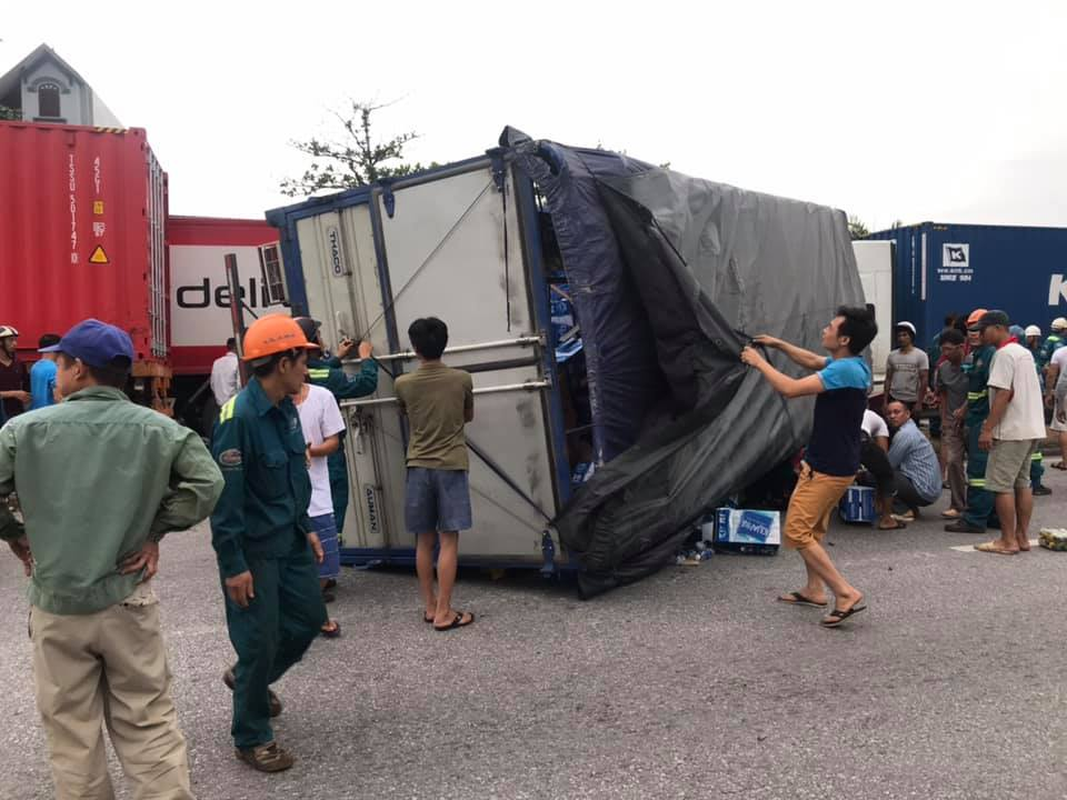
(914, 462)
(833, 455)
(43, 375)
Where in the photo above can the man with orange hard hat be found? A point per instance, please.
(262, 536)
(980, 502)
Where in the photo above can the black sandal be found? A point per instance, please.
(800, 600)
(837, 616)
(331, 633)
(457, 622)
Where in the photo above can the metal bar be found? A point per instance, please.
(237, 320)
(529, 386)
(407, 355)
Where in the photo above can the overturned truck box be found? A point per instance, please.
(665, 278)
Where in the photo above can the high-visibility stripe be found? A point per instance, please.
(1038, 456)
(227, 410)
(977, 483)
(977, 395)
(319, 374)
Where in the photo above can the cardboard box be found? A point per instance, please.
(1054, 539)
(858, 505)
(742, 530)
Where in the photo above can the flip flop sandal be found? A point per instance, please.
(334, 632)
(989, 547)
(897, 525)
(1059, 465)
(837, 616)
(800, 600)
(457, 622)
(426, 619)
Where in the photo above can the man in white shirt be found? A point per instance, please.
(1012, 431)
(226, 375)
(322, 423)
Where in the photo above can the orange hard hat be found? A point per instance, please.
(274, 334)
(975, 316)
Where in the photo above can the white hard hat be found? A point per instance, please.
(906, 325)
(1059, 324)
(1033, 330)
(7, 330)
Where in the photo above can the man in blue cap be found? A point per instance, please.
(90, 544)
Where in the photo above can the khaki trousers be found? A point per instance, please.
(108, 669)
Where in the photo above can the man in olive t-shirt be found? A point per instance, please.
(438, 402)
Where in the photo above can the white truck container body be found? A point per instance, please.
(874, 260)
(450, 244)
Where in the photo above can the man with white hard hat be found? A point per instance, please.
(1055, 340)
(907, 369)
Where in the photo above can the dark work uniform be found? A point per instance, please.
(979, 501)
(260, 525)
(328, 373)
(13, 378)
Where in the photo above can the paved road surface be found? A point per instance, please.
(692, 684)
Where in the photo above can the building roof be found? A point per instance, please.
(11, 79)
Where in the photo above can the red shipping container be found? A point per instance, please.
(82, 235)
(200, 320)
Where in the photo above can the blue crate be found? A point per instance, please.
(858, 505)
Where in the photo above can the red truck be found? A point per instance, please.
(85, 232)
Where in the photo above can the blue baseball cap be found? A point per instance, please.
(94, 342)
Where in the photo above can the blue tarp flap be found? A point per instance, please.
(670, 276)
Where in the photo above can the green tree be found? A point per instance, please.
(856, 228)
(358, 159)
(10, 113)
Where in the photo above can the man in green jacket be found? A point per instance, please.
(100, 482)
(327, 372)
(262, 535)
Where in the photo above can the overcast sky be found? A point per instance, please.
(911, 111)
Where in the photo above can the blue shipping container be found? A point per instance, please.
(944, 268)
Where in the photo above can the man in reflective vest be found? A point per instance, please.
(326, 371)
(262, 535)
(979, 501)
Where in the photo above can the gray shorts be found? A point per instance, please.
(437, 500)
(1008, 467)
(1056, 425)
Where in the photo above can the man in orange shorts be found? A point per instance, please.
(840, 384)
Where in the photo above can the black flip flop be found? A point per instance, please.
(801, 600)
(837, 616)
(899, 526)
(331, 633)
(426, 619)
(457, 622)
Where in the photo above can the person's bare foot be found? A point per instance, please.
(1023, 542)
(430, 611)
(846, 602)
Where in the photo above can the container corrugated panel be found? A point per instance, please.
(82, 233)
(199, 296)
(943, 268)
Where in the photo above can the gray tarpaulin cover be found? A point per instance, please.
(670, 276)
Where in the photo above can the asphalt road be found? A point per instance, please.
(692, 684)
